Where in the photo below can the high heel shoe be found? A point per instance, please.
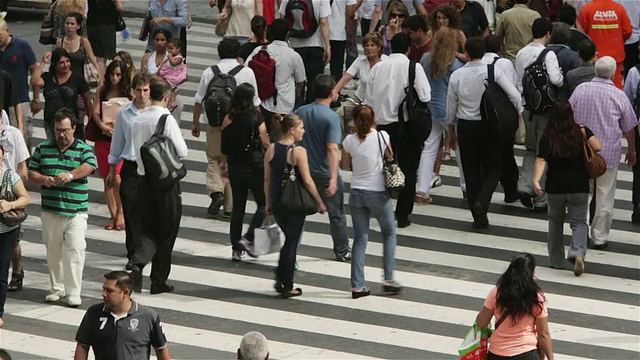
(16, 281)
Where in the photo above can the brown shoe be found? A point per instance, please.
(578, 266)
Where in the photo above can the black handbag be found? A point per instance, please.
(294, 196)
(120, 25)
(145, 29)
(13, 217)
(255, 148)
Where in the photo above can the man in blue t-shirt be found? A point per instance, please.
(323, 133)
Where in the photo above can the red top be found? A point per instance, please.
(431, 5)
(608, 25)
(416, 52)
(269, 10)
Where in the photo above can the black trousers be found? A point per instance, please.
(365, 24)
(631, 56)
(160, 212)
(183, 38)
(128, 194)
(636, 174)
(8, 242)
(313, 66)
(510, 173)
(480, 154)
(529, 355)
(407, 153)
(242, 181)
(337, 59)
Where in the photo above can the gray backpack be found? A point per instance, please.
(219, 92)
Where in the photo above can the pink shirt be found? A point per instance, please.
(513, 339)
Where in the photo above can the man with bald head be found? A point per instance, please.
(606, 110)
(254, 346)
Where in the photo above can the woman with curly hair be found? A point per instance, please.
(448, 16)
(520, 307)
(115, 86)
(560, 150)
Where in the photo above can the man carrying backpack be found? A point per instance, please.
(161, 209)
(632, 89)
(214, 93)
(309, 33)
(539, 76)
(480, 148)
(280, 75)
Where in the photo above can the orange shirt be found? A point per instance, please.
(513, 339)
(608, 25)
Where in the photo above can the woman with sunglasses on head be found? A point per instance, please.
(363, 151)
(397, 13)
(372, 44)
(520, 308)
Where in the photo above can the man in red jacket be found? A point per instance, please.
(608, 25)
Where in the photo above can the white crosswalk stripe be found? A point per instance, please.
(447, 272)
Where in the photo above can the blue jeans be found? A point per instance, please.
(337, 217)
(363, 204)
(573, 208)
(8, 242)
(292, 225)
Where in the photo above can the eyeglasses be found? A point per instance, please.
(63, 131)
(396, 15)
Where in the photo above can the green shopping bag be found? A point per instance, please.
(475, 344)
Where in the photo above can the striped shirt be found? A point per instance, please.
(606, 110)
(71, 198)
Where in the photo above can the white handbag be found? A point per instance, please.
(268, 238)
(110, 109)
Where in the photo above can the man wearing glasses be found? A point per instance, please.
(60, 167)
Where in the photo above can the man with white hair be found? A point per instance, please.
(253, 346)
(605, 110)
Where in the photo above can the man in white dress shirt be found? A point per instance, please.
(509, 169)
(160, 212)
(535, 124)
(219, 191)
(385, 91)
(479, 150)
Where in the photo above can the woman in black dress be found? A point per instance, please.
(102, 18)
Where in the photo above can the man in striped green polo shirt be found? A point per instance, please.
(61, 168)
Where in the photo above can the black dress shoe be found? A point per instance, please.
(404, 224)
(159, 289)
(601, 246)
(129, 266)
(635, 217)
(217, 199)
(136, 278)
(511, 198)
(480, 219)
(526, 200)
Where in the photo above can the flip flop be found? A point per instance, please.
(446, 156)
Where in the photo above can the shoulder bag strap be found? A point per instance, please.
(161, 124)
(216, 70)
(543, 55)
(495, 60)
(412, 74)
(236, 70)
(500, 321)
(491, 77)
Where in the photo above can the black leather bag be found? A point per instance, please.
(294, 196)
(12, 217)
(120, 25)
(418, 125)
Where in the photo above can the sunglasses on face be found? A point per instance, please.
(396, 15)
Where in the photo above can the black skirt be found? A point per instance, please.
(103, 40)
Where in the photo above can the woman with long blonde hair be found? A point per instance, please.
(438, 64)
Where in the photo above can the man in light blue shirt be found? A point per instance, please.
(123, 152)
(167, 14)
(323, 133)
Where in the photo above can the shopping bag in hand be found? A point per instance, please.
(268, 238)
(475, 344)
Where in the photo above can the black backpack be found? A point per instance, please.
(418, 125)
(302, 19)
(219, 92)
(497, 111)
(539, 93)
(162, 165)
(636, 103)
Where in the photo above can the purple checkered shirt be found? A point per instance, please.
(606, 110)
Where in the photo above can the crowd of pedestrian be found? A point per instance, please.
(565, 76)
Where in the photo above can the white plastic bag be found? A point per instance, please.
(268, 238)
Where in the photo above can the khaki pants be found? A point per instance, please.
(63, 237)
(215, 159)
(605, 198)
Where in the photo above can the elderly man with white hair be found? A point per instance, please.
(606, 110)
(253, 346)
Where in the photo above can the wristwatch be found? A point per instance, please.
(37, 101)
(70, 176)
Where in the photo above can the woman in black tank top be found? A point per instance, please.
(277, 157)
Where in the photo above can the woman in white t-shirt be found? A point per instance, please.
(363, 150)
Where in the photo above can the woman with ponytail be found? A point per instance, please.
(367, 146)
(521, 330)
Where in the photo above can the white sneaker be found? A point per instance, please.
(436, 181)
(54, 297)
(74, 301)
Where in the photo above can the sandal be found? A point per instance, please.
(291, 293)
(109, 225)
(446, 156)
(16, 281)
(423, 199)
(120, 227)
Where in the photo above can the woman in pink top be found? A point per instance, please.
(520, 308)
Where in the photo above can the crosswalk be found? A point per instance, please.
(446, 269)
